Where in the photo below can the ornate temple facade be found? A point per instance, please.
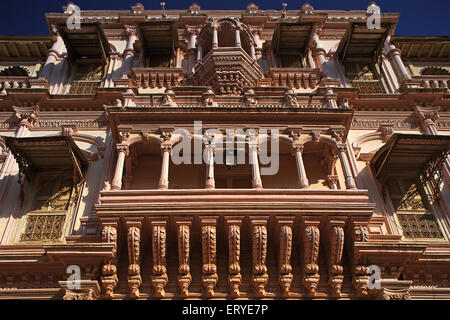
(95, 117)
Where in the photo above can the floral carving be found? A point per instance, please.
(260, 276)
(134, 276)
(109, 270)
(234, 254)
(159, 249)
(311, 241)
(285, 259)
(209, 252)
(335, 270)
(184, 276)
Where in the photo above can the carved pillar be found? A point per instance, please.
(128, 53)
(209, 254)
(319, 51)
(109, 278)
(123, 151)
(237, 37)
(159, 249)
(335, 240)
(192, 34)
(166, 149)
(215, 39)
(395, 55)
(134, 254)
(254, 161)
(53, 55)
(349, 180)
(284, 262)
(260, 277)
(360, 278)
(210, 182)
(311, 242)
(184, 275)
(297, 150)
(332, 181)
(233, 225)
(252, 51)
(199, 49)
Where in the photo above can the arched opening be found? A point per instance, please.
(143, 166)
(187, 175)
(286, 176)
(320, 162)
(434, 71)
(15, 71)
(232, 168)
(226, 34)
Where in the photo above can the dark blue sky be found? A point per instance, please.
(418, 17)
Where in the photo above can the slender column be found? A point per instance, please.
(237, 37)
(210, 182)
(184, 275)
(128, 53)
(284, 263)
(209, 254)
(319, 51)
(53, 55)
(117, 180)
(254, 161)
(199, 50)
(134, 254)
(215, 39)
(159, 249)
(109, 270)
(349, 181)
(311, 241)
(193, 32)
(260, 277)
(233, 225)
(252, 51)
(395, 55)
(297, 150)
(166, 149)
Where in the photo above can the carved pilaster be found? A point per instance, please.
(159, 249)
(109, 278)
(360, 277)
(335, 236)
(311, 243)
(284, 262)
(209, 254)
(233, 225)
(184, 275)
(134, 253)
(259, 255)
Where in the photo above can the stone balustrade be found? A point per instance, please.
(14, 83)
(156, 77)
(294, 77)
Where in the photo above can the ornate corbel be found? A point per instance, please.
(233, 225)
(184, 275)
(134, 254)
(311, 242)
(360, 277)
(87, 290)
(159, 249)
(250, 98)
(168, 99)
(260, 277)
(290, 99)
(386, 130)
(208, 99)
(209, 254)
(335, 241)
(109, 278)
(284, 263)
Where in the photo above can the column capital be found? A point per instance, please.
(130, 30)
(26, 114)
(123, 148)
(297, 147)
(342, 147)
(427, 113)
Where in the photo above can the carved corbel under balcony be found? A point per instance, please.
(233, 225)
(311, 242)
(360, 278)
(184, 275)
(335, 239)
(134, 254)
(159, 249)
(109, 278)
(284, 263)
(260, 277)
(86, 290)
(168, 99)
(386, 131)
(290, 99)
(250, 98)
(208, 99)
(209, 254)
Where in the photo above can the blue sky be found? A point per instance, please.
(417, 17)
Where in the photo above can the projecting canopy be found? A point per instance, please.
(58, 153)
(361, 44)
(292, 38)
(409, 154)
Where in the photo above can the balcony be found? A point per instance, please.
(153, 77)
(296, 77)
(14, 83)
(227, 70)
(84, 87)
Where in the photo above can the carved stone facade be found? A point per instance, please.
(203, 154)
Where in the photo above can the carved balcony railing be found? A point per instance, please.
(434, 81)
(13, 82)
(294, 77)
(259, 233)
(84, 87)
(368, 86)
(156, 77)
(227, 70)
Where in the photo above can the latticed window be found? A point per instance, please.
(52, 202)
(411, 202)
(86, 78)
(292, 61)
(365, 77)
